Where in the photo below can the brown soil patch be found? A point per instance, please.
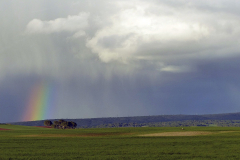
(48, 135)
(75, 135)
(3, 129)
(187, 133)
(44, 126)
(227, 131)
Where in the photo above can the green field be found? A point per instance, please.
(24, 142)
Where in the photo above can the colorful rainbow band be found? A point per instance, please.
(40, 103)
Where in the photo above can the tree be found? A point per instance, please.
(65, 124)
(54, 126)
(56, 122)
(61, 121)
(47, 123)
(73, 124)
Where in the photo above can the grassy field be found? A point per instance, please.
(22, 142)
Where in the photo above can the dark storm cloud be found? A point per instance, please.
(121, 58)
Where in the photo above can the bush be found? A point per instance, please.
(47, 123)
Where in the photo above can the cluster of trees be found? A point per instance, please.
(61, 124)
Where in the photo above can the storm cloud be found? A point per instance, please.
(120, 58)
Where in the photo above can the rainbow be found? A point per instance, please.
(40, 102)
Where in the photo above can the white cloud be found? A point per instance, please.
(152, 30)
(175, 69)
(75, 23)
(183, 30)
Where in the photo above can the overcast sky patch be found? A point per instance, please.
(109, 58)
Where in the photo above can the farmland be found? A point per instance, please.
(25, 142)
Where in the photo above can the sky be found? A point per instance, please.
(117, 58)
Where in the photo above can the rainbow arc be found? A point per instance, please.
(40, 103)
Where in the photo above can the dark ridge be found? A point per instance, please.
(93, 122)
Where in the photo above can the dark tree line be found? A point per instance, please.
(185, 123)
(61, 124)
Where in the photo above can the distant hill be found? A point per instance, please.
(94, 122)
